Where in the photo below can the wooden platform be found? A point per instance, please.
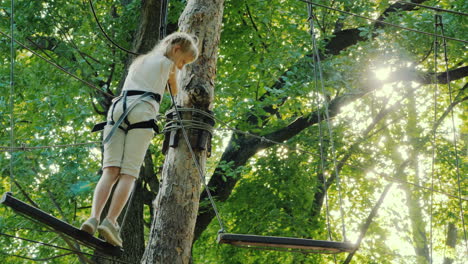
(285, 243)
(60, 226)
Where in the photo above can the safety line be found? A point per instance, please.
(330, 131)
(25, 148)
(434, 8)
(36, 259)
(58, 66)
(319, 117)
(264, 139)
(433, 143)
(200, 171)
(62, 248)
(238, 131)
(385, 23)
(12, 90)
(455, 140)
(105, 34)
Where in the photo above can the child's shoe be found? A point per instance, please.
(110, 232)
(89, 226)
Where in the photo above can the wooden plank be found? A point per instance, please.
(60, 226)
(316, 246)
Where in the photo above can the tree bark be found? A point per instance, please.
(176, 205)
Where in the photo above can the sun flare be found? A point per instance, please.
(382, 73)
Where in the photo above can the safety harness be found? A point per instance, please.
(126, 110)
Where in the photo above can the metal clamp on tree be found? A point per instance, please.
(199, 124)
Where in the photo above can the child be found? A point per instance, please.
(128, 130)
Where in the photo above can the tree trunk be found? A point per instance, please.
(176, 205)
(451, 242)
(413, 197)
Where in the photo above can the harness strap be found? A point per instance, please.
(124, 107)
(125, 114)
(143, 124)
(98, 127)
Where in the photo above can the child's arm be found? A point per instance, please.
(172, 81)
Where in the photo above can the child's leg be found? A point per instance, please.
(134, 149)
(121, 194)
(103, 189)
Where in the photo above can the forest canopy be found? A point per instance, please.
(378, 105)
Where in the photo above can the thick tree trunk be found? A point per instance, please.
(176, 205)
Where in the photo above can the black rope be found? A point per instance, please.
(319, 120)
(36, 259)
(105, 34)
(318, 65)
(195, 161)
(434, 145)
(62, 248)
(385, 23)
(455, 141)
(435, 8)
(12, 90)
(164, 7)
(27, 148)
(58, 66)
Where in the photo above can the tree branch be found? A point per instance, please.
(240, 148)
(340, 41)
(368, 222)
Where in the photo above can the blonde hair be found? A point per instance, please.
(187, 42)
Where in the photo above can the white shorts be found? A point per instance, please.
(127, 150)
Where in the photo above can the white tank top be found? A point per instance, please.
(150, 74)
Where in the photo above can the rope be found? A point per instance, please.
(385, 23)
(172, 125)
(36, 259)
(330, 132)
(264, 139)
(455, 141)
(12, 90)
(261, 138)
(57, 66)
(434, 8)
(434, 146)
(62, 248)
(195, 161)
(26, 148)
(105, 34)
(319, 117)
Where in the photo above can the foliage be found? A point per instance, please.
(262, 42)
